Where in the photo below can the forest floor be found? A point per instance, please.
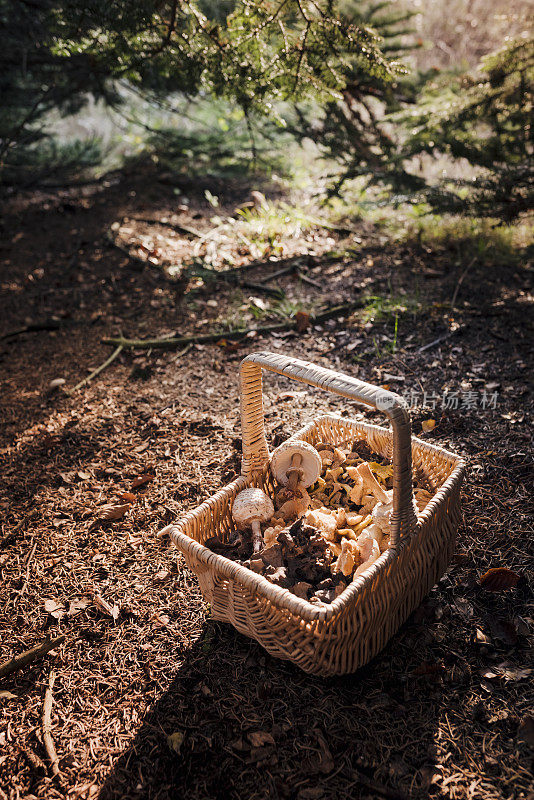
(446, 709)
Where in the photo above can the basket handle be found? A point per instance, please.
(256, 451)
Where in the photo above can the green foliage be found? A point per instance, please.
(352, 129)
(485, 118)
(255, 52)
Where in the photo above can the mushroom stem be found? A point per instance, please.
(294, 473)
(371, 483)
(257, 539)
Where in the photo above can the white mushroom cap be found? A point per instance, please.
(311, 464)
(250, 505)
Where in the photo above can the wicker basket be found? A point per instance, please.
(339, 637)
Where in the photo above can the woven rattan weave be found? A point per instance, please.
(339, 637)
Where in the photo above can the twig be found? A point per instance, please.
(126, 252)
(27, 565)
(460, 281)
(98, 370)
(47, 727)
(17, 662)
(171, 343)
(279, 273)
(443, 338)
(260, 287)
(173, 226)
(37, 326)
(305, 279)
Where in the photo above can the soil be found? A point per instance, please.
(152, 699)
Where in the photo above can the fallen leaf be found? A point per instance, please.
(525, 731)
(105, 608)
(77, 606)
(326, 760)
(230, 346)
(503, 630)
(54, 608)
(498, 579)
(109, 513)
(142, 480)
(128, 497)
(428, 425)
(175, 741)
(382, 471)
(5, 695)
(56, 383)
(430, 668)
(260, 738)
(288, 396)
(514, 674)
(162, 620)
(302, 320)
(84, 476)
(162, 575)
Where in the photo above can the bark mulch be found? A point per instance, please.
(152, 699)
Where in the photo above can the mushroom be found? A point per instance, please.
(295, 463)
(252, 507)
(324, 520)
(369, 552)
(384, 505)
(270, 535)
(294, 504)
(347, 559)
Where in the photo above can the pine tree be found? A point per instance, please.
(486, 118)
(256, 52)
(352, 129)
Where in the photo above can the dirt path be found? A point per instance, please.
(440, 712)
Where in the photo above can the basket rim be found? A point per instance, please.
(283, 599)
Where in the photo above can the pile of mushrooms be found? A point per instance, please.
(329, 523)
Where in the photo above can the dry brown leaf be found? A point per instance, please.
(175, 741)
(428, 425)
(162, 575)
(260, 738)
(106, 608)
(525, 732)
(229, 346)
(142, 480)
(5, 695)
(109, 513)
(162, 620)
(54, 608)
(302, 320)
(77, 606)
(128, 497)
(498, 579)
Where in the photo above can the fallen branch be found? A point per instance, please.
(17, 662)
(172, 343)
(443, 338)
(47, 727)
(173, 226)
(98, 370)
(310, 281)
(461, 280)
(37, 326)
